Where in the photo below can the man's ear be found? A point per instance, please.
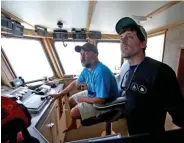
(143, 44)
(95, 55)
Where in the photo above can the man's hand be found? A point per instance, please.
(54, 97)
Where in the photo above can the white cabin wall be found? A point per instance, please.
(174, 43)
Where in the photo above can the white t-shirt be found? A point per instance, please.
(124, 68)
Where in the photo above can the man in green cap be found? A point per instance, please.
(151, 87)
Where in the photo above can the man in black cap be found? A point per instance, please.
(101, 86)
(151, 87)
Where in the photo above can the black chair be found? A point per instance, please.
(111, 111)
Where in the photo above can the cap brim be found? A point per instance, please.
(78, 48)
(125, 21)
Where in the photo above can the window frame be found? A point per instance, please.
(28, 38)
(57, 55)
(8, 62)
(164, 42)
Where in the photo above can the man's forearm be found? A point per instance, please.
(92, 100)
(69, 88)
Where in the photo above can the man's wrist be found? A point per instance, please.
(58, 95)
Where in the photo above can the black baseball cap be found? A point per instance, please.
(127, 21)
(87, 47)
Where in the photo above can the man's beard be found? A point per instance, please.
(86, 64)
(129, 56)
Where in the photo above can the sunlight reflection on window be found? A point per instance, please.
(110, 55)
(27, 58)
(69, 58)
(155, 47)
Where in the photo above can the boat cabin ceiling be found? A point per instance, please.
(95, 15)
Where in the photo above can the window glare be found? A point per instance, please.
(155, 47)
(27, 58)
(110, 55)
(69, 58)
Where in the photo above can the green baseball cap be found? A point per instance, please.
(126, 21)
